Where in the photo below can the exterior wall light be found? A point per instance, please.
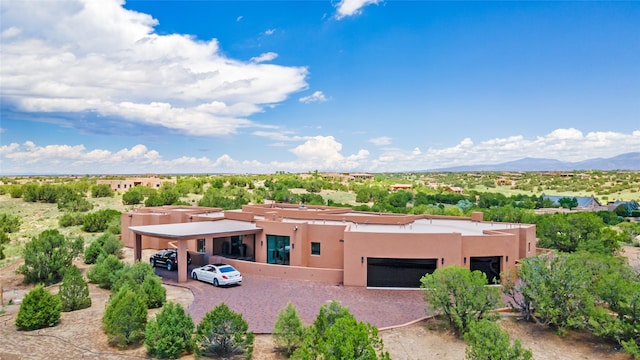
(293, 245)
(361, 259)
(261, 242)
(442, 261)
(465, 260)
(507, 258)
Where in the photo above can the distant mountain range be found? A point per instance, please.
(628, 161)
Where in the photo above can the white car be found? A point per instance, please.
(217, 274)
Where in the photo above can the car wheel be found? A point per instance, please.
(169, 266)
(153, 263)
(194, 276)
(215, 282)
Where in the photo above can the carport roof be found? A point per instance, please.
(198, 228)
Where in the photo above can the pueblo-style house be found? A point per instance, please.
(329, 244)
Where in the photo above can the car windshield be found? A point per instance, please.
(226, 269)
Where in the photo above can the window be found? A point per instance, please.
(201, 245)
(315, 248)
(278, 249)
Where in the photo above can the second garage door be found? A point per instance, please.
(403, 273)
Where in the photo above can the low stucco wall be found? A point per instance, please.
(331, 276)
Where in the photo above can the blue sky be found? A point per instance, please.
(90, 87)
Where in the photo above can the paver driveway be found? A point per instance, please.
(260, 298)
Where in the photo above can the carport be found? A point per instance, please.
(185, 232)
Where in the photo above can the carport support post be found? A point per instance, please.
(182, 260)
(137, 248)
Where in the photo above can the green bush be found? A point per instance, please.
(100, 220)
(74, 291)
(4, 239)
(336, 334)
(39, 309)
(106, 271)
(9, 223)
(142, 279)
(486, 340)
(15, 191)
(125, 318)
(288, 331)
(71, 219)
(170, 333)
(460, 295)
(72, 200)
(223, 333)
(132, 197)
(47, 256)
(107, 244)
(101, 190)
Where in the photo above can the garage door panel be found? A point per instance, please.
(405, 273)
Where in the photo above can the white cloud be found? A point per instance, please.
(383, 140)
(280, 135)
(269, 32)
(346, 8)
(10, 32)
(323, 153)
(268, 56)
(317, 96)
(84, 56)
(560, 144)
(239, 18)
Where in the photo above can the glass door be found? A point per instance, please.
(278, 249)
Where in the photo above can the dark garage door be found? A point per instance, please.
(406, 273)
(489, 265)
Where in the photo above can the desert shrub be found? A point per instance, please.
(170, 333)
(328, 315)
(74, 291)
(47, 256)
(39, 309)
(336, 334)
(15, 191)
(155, 294)
(107, 244)
(486, 340)
(106, 271)
(100, 220)
(132, 197)
(30, 192)
(71, 219)
(9, 223)
(4, 239)
(460, 295)
(101, 190)
(92, 252)
(114, 229)
(141, 278)
(125, 318)
(72, 200)
(288, 331)
(223, 333)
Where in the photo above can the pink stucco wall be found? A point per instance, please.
(343, 249)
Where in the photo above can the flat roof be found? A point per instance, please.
(420, 226)
(199, 228)
(437, 226)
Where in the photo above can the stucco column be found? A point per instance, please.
(137, 247)
(182, 260)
